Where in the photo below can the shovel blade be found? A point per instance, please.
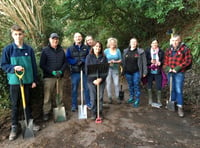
(171, 106)
(121, 95)
(82, 112)
(27, 129)
(59, 114)
(156, 105)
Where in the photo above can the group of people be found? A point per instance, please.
(136, 62)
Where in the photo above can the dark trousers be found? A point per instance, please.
(157, 78)
(16, 102)
(93, 96)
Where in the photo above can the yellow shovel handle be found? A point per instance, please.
(23, 96)
(20, 76)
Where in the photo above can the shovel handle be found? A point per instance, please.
(81, 74)
(20, 74)
(98, 101)
(170, 87)
(23, 96)
(58, 100)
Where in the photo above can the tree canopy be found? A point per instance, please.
(102, 19)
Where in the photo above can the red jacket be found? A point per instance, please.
(178, 59)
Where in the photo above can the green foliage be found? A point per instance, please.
(122, 19)
(193, 41)
(159, 9)
(53, 13)
(104, 19)
(4, 97)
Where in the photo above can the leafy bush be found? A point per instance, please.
(4, 94)
(193, 42)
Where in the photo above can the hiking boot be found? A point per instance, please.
(13, 133)
(110, 100)
(130, 100)
(36, 127)
(136, 103)
(180, 112)
(45, 117)
(89, 106)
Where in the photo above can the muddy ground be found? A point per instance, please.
(123, 127)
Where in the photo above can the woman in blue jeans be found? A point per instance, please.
(134, 68)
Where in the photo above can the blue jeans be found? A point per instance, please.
(75, 80)
(134, 85)
(177, 87)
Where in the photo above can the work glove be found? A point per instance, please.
(54, 73)
(58, 74)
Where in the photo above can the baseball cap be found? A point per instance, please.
(54, 35)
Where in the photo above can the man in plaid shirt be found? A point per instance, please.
(177, 58)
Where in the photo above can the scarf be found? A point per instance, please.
(154, 54)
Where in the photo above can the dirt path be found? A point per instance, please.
(123, 127)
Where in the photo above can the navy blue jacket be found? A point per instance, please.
(52, 59)
(75, 54)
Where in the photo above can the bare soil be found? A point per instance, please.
(123, 127)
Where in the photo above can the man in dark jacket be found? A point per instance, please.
(76, 55)
(53, 64)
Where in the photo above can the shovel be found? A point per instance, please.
(82, 109)
(156, 105)
(121, 93)
(59, 111)
(170, 103)
(27, 126)
(98, 119)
